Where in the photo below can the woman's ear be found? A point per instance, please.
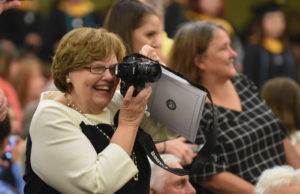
(198, 60)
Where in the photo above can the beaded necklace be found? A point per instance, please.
(132, 156)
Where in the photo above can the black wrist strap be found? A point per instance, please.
(146, 142)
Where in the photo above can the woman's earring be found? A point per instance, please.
(68, 80)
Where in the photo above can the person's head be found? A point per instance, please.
(29, 81)
(214, 8)
(157, 5)
(271, 20)
(164, 182)
(8, 62)
(202, 49)
(282, 94)
(78, 51)
(5, 5)
(136, 23)
(277, 180)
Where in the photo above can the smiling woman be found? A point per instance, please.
(250, 137)
(73, 146)
(136, 23)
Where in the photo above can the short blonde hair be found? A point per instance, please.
(81, 47)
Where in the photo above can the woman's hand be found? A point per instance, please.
(181, 149)
(4, 5)
(150, 52)
(17, 150)
(130, 117)
(132, 109)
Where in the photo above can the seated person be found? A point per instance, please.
(282, 94)
(277, 180)
(10, 162)
(164, 182)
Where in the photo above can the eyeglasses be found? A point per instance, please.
(97, 69)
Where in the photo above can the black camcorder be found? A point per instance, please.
(133, 70)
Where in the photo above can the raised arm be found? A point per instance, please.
(131, 115)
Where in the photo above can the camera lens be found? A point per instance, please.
(149, 71)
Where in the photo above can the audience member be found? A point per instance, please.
(164, 182)
(3, 106)
(5, 5)
(24, 29)
(268, 55)
(167, 42)
(10, 161)
(8, 69)
(209, 10)
(13, 102)
(250, 137)
(8, 63)
(140, 26)
(66, 15)
(214, 10)
(282, 94)
(175, 16)
(79, 118)
(29, 81)
(278, 180)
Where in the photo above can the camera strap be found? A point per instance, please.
(203, 155)
(146, 142)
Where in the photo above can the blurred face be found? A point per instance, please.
(217, 61)
(13, 70)
(177, 184)
(273, 24)
(150, 32)
(36, 84)
(210, 7)
(91, 92)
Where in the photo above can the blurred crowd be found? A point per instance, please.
(30, 34)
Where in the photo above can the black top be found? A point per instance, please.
(174, 17)
(261, 65)
(248, 142)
